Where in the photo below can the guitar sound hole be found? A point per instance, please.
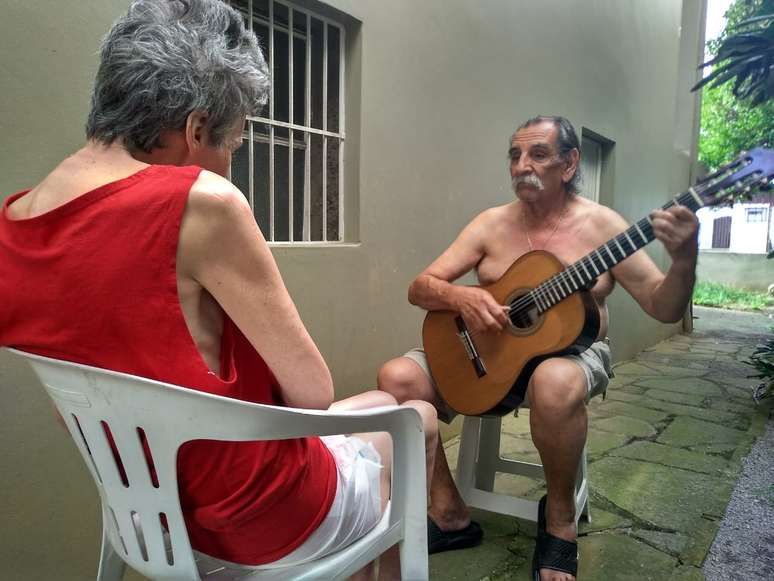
(523, 318)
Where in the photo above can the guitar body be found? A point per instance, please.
(510, 356)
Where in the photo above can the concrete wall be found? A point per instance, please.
(435, 90)
(750, 271)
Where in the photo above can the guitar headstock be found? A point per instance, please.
(751, 171)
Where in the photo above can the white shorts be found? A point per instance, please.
(357, 507)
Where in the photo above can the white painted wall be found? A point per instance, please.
(707, 217)
(746, 237)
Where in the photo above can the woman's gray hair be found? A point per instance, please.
(165, 59)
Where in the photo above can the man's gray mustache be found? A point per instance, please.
(529, 179)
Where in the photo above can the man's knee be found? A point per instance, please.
(557, 386)
(401, 378)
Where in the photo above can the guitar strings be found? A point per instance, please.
(564, 283)
(553, 285)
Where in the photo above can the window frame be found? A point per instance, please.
(759, 211)
(292, 141)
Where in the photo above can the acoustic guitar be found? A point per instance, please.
(551, 311)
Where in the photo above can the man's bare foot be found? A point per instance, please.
(549, 575)
(450, 521)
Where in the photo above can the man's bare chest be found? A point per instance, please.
(566, 247)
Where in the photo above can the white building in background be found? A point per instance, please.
(742, 228)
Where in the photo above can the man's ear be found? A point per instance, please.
(572, 165)
(196, 130)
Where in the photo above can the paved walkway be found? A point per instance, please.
(665, 449)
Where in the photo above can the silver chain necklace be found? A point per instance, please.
(556, 227)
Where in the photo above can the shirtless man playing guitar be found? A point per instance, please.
(547, 215)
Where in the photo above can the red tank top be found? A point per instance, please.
(93, 281)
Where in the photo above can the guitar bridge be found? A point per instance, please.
(470, 348)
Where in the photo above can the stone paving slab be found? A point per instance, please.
(676, 396)
(630, 409)
(665, 369)
(626, 426)
(741, 422)
(621, 557)
(668, 498)
(635, 369)
(683, 386)
(687, 573)
(674, 457)
(627, 395)
(602, 520)
(599, 442)
(687, 431)
(665, 448)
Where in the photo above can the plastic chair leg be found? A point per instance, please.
(413, 558)
(111, 566)
(488, 453)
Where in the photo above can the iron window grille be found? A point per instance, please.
(290, 164)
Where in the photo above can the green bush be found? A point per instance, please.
(712, 294)
(762, 360)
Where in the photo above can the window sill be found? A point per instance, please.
(314, 244)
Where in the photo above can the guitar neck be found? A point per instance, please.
(580, 274)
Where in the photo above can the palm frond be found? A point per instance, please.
(747, 59)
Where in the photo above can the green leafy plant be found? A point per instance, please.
(745, 52)
(762, 359)
(737, 106)
(713, 294)
(729, 126)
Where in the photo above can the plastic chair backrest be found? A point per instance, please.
(139, 491)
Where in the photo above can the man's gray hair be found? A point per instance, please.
(566, 141)
(165, 59)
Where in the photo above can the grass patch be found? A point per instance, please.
(712, 294)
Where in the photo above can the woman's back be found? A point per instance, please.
(94, 280)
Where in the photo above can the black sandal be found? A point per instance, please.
(552, 552)
(439, 541)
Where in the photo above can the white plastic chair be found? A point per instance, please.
(89, 399)
(479, 460)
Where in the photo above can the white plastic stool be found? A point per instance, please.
(479, 460)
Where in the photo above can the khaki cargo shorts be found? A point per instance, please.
(594, 361)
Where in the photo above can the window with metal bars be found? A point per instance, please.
(290, 164)
(755, 214)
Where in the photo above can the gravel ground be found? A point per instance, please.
(744, 546)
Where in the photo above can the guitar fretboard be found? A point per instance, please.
(580, 274)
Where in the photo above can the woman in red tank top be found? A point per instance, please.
(136, 254)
